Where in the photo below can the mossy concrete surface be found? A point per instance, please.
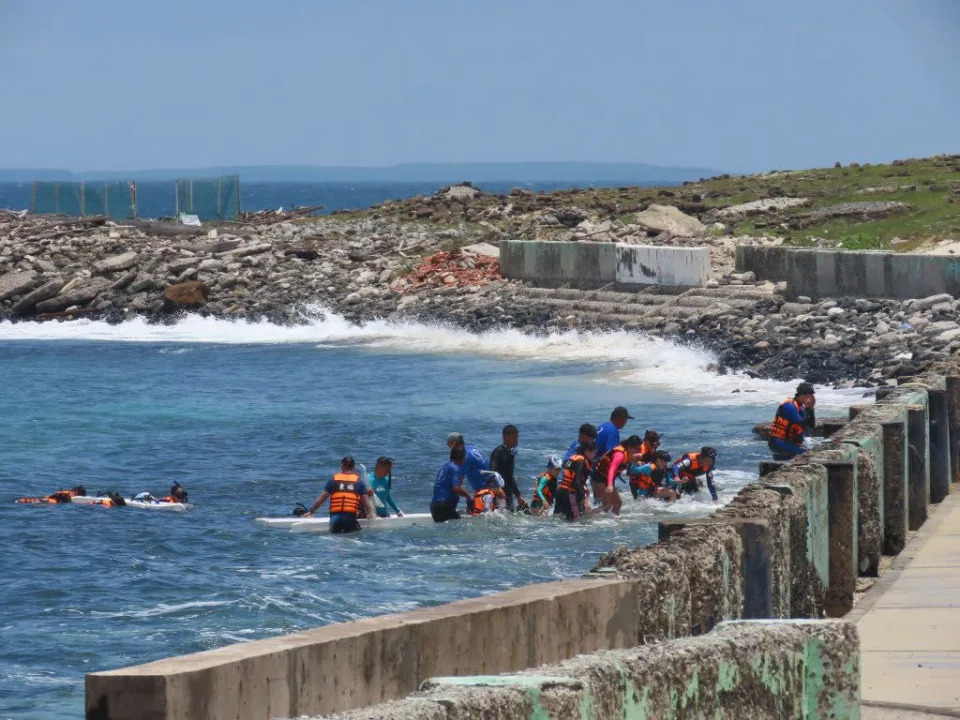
(744, 669)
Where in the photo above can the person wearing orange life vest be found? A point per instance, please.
(648, 449)
(546, 487)
(347, 493)
(490, 498)
(571, 492)
(607, 469)
(794, 418)
(60, 496)
(177, 494)
(651, 479)
(692, 466)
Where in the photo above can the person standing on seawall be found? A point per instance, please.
(474, 461)
(794, 418)
(608, 434)
(502, 461)
(447, 488)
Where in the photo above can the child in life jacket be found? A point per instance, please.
(490, 498)
(653, 479)
(546, 487)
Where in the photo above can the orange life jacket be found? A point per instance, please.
(643, 481)
(647, 452)
(696, 468)
(61, 496)
(783, 429)
(569, 481)
(479, 506)
(346, 496)
(169, 499)
(603, 464)
(548, 489)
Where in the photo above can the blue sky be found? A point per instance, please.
(740, 85)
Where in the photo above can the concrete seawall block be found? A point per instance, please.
(316, 671)
(839, 273)
(593, 265)
(761, 669)
(867, 437)
(654, 265)
(805, 509)
(840, 460)
(893, 421)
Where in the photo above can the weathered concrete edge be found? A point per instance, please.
(798, 668)
(314, 671)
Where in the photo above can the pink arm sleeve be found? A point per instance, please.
(615, 462)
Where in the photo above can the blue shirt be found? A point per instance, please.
(572, 450)
(448, 477)
(475, 462)
(608, 437)
(381, 488)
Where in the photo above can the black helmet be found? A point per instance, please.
(708, 452)
(805, 388)
(633, 441)
(663, 455)
(652, 437)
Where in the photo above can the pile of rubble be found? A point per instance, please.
(457, 268)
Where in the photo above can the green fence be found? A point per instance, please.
(209, 199)
(117, 199)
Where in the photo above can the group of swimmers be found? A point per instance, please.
(177, 494)
(584, 481)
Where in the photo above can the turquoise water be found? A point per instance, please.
(253, 418)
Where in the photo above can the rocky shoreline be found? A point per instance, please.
(434, 259)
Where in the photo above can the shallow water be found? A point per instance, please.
(253, 418)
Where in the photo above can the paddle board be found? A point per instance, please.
(139, 505)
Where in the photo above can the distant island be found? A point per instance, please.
(626, 173)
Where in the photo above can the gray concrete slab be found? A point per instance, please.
(909, 623)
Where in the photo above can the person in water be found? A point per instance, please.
(347, 493)
(60, 496)
(447, 488)
(474, 463)
(692, 466)
(572, 490)
(608, 468)
(491, 498)
(653, 479)
(608, 434)
(546, 487)
(794, 419)
(587, 433)
(177, 495)
(648, 450)
(381, 484)
(502, 461)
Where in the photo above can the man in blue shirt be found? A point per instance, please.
(474, 462)
(608, 434)
(794, 418)
(587, 433)
(447, 489)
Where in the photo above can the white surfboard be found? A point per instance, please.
(137, 504)
(322, 524)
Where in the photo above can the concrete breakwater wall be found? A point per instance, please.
(788, 546)
(593, 265)
(821, 274)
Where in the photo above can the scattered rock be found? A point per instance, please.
(115, 263)
(667, 218)
(185, 296)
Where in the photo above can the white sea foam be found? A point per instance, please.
(626, 358)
